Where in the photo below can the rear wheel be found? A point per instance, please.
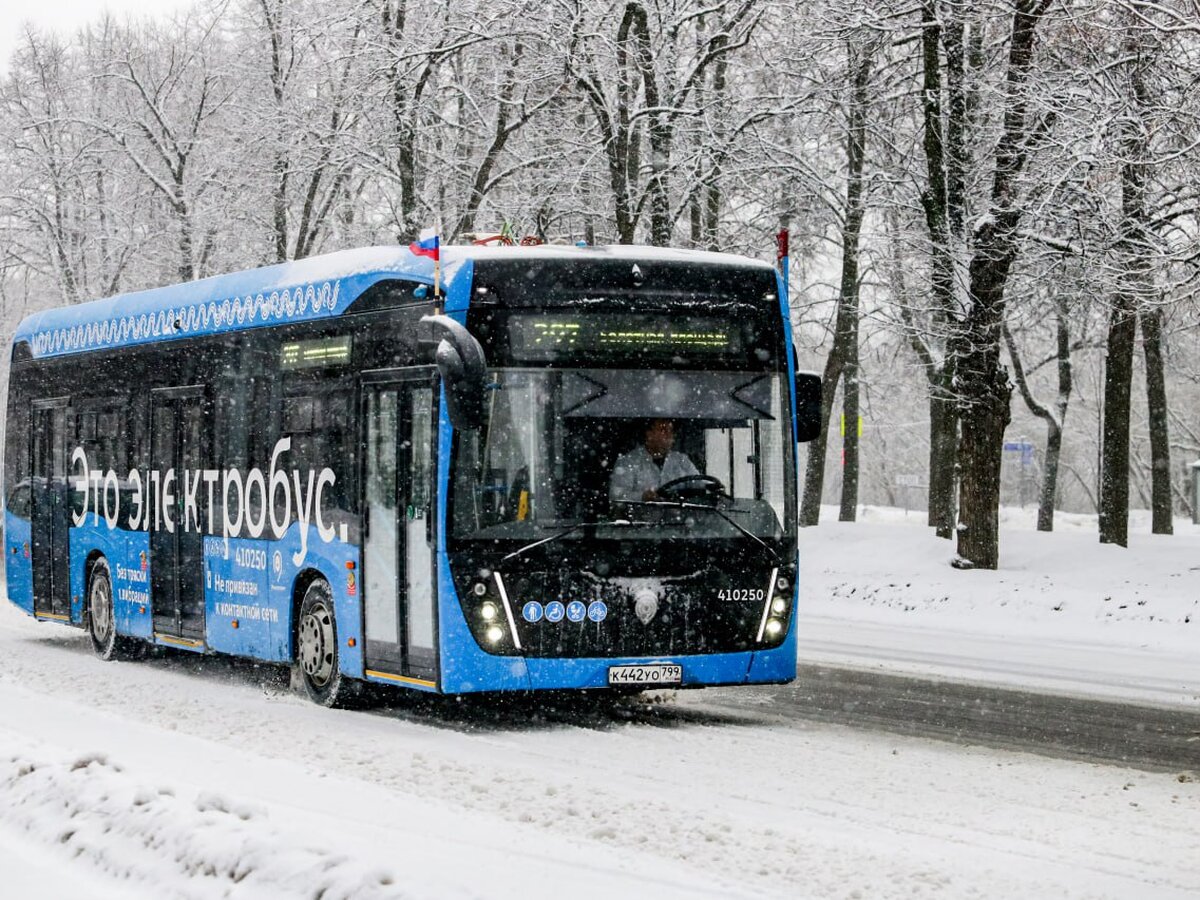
(317, 650)
(101, 619)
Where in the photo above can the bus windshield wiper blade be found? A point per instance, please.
(559, 535)
(683, 504)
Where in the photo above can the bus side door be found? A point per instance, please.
(179, 448)
(398, 592)
(50, 509)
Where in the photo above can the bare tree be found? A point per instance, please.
(1055, 418)
(168, 98)
(842, 364)
(637, 96)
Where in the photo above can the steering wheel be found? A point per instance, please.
(692, 487)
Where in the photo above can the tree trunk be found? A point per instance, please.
(1054, 420)
(1114, 467)
(1134, 280)
(1160, 444)
(848, 314)
(943, 425)
(635, 29)
(940, 204)
(980, 449)
(850, 442)
(943, 457)
(1045, 518)
(842, 362)
(187, 265)
(983, 390)
(280, 166)
(984, 412)
(1055, 424)
(712, 190)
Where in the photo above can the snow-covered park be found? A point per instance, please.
(951, 250)
(1063, 612)
(209, 778)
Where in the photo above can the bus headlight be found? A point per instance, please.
(774, 627)
(494, 634)
(488, 611)
(778, 606)
(782, 583)
(480, 589)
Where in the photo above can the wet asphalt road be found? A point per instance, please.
(1158, 738)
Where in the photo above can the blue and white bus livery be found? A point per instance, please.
(329, 464)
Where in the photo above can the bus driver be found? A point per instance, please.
(639, 473)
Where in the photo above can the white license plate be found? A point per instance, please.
(656, 673)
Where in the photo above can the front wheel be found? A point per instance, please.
(102, 624)
(317, 650)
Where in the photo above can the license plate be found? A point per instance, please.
(656, 673)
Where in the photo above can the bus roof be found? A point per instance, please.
(314, 288)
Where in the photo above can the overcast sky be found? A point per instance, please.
(65, 16)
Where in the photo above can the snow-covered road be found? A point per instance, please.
(209, 778)
(200, 778)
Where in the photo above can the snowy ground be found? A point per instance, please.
(190, 778)
(1063, 613)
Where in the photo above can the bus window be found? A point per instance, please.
(319, 424)
(550, 450)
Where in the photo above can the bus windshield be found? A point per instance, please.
(697, 454)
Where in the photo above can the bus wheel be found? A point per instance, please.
(317, 649)
(102, 625)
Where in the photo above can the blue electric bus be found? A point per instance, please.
(333, 464)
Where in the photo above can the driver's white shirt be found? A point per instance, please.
(636, 472)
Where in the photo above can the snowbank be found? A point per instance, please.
(146, 836)
(1062, 613)
(892, 568)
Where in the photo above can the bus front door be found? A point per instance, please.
(177, 452)
(398, 585)
(50, 511)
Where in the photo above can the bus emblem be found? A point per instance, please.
(645, 606)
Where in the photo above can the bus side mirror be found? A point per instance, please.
(808, 406)
(463, 368)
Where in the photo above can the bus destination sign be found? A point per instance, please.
(554, 336)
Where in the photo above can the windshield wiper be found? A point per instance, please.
(683, 504)
(571, 529)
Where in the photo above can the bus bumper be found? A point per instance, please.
(752, 667)
(774, 666)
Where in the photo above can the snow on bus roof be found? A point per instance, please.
(314, 288)
(631, 252)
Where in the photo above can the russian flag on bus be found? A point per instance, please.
(427, 245)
